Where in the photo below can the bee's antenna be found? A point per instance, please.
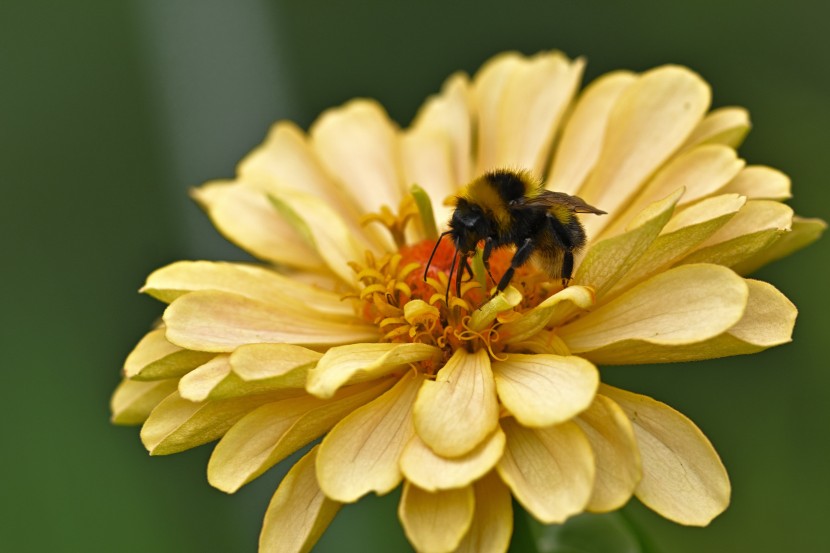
(429, 261)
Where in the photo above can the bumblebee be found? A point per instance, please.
(511, 208)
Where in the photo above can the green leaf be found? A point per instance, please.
(588, 533)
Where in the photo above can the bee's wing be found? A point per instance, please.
(549, 199)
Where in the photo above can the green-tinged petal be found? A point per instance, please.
(758, 182)
(652, 118)
(550, 470)
(554, 311)
(455, 412)
(615, 450)
(535, 97)
(177, 424)
(359, 144)
(684, 232)
(354, 363)
(609, 260)
(221, 321)
(259, 283)
(753, 229)
(435, 522)
(493, 521)
(245, 217)
(432, 472)
(270, 433)
(266, 361)
(287, 528)
(198, 383)
(767, 321)
(324, 229)
(582, 137)
(361, 453)
(541, 390)
(700, 172)
(154, 358)
(803, 233)
(727, 125)
(684, 305)
(487, 313)
(133, 401)
(683, 477)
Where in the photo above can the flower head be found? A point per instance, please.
(464, 400)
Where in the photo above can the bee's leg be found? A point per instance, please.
(561, 235)
(567, 267)
(519, 258)
(485, 256)
(460, 274)
(467, 268)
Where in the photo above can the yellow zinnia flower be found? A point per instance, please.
(337, 335)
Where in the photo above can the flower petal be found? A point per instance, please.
(133, 401)
(245, 217)
(287, 529)
(458, 410)
(436, 522)
(154, 358)
(431, 472)
(270, 433)
(198, 383)
(758, 182)
(541, 390)
(552, 312)
(550, 470)
(683, 477)
(266, 361)
(803, 233)
(177, 424)
(582, 138)
(259, 283)
(684, 305)
(728, 126)
(354, 363)
(615, 451)
(609, 260)
(359, 144)
(220, 321)
(492, 524)
(488, 89)
(360, 454)
(652, 118)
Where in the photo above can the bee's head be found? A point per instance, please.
(468, 225)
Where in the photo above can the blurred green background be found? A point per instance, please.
(109, 111)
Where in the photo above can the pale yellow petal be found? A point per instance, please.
(701, 172)
(487, 313)
(684, 232)
(535, 97)
(754, 228)
(609, 260)
(488, 88)
(550, 470)
(361, 453)
(270, 433)
(287, 528)
(154, 358)
(458, 410)
(615, 450)
(177, 424)
(652, 118)
(354, 363)
(265, 361)
(426, 159)
(492, 523)
(431, 472)
(435, 522)
(220, 321)
(259, 283)
(198, 383)
(133, 401)
(541, 390)
(728, 126)
(582, 138)
(245, 217)
(684, 305)
(358, 146)
(683, 477)
(758, 182)
(803, 233)
(554, 311)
